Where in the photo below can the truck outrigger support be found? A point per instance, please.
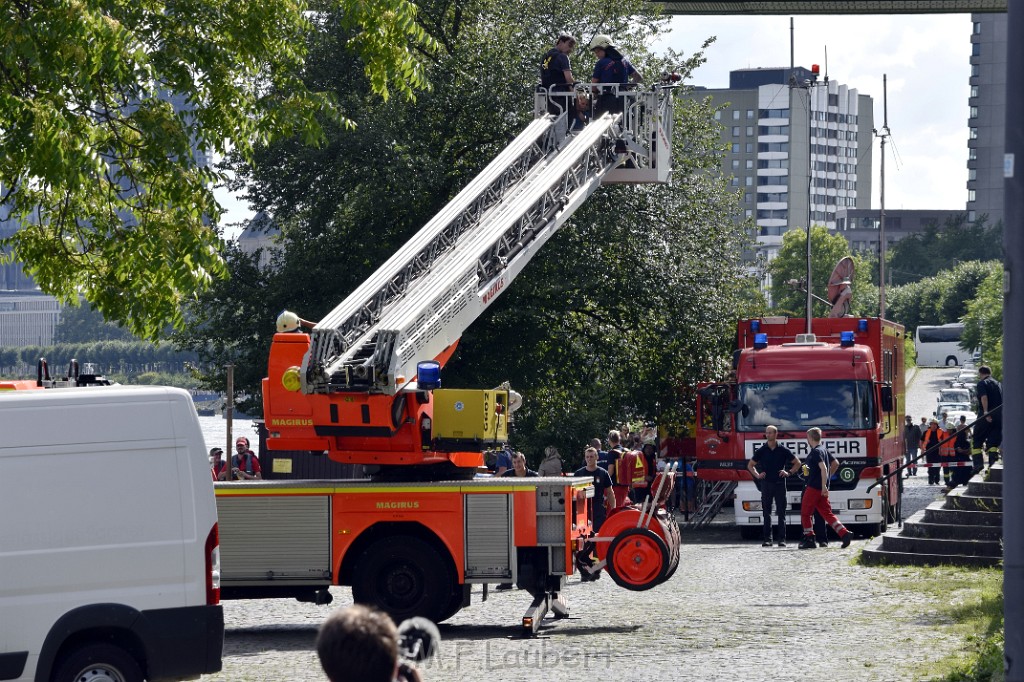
(553, 601)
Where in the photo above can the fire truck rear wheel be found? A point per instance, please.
(638, 559)
(404, 576)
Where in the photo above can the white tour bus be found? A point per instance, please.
(940, 345)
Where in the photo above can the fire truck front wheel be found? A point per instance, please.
(404, 576)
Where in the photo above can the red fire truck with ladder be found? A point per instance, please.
(841, 374)
(364, 387)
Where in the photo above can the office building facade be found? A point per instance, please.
(799, 149)
(986, 143)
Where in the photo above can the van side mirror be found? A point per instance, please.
(887, 398)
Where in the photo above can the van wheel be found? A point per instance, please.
(950, 361)
(98, 662)
(406, 577)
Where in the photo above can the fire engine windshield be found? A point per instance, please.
(799, 405)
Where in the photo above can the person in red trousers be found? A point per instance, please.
(817, 465)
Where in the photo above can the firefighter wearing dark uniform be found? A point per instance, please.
(770, 466)
(817, 467)
(988, 433)
(556, 76)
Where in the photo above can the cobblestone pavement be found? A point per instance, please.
(733, 611)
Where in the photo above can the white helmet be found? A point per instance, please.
(602, 41)
(287, 321)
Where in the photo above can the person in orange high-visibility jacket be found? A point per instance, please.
(947, 451)
(931, 438)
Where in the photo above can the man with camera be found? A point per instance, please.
(361, 643)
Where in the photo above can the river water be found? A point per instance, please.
(215, 431)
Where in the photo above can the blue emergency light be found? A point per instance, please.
(760, 341)
(845, 339)
(862, 325)
(428, 375)
(755, 326)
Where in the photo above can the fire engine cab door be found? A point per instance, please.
(716, 403)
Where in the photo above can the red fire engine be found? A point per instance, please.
(844, 376)
(364, 387)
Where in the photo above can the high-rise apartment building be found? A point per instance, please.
(799, 148)
(986, 141)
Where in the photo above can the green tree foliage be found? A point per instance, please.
(82, 324)
(99, 165)
(826, 250)
(983, 321)
(109, 357)
(940, 299)
(617, 317)
(928, 253)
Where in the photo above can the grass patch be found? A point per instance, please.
(968, 604)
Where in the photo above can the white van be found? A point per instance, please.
(109, 552)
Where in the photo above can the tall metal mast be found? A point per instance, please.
(883, 137)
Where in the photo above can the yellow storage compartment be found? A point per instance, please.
(467, 418)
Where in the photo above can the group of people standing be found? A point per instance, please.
(953, 447)
(611, 69)
(245, 466)
(772, 465)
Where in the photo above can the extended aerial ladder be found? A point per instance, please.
(356, 386)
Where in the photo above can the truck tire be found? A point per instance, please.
(98, 662)
(404, 576)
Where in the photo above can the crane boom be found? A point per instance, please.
(351, 374)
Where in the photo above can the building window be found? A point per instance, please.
(749, 181)
(749, 164)
(735, 147)
(972, 195)
(735, 182)
(750, 130)
(974, 91)
(749, 213)
(972, 154)
(736, 115)
(974, 133)
(975, 49)
(735, 164)
(972, 173)
(735, 131)
(750, 113)
(977, 28)
(749, 147)
(833, 100)
(973, 112)
(718, 115)
(975, 70)
(971, 216)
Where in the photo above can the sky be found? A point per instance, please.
(926, 59)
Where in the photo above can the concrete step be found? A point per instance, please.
(995, 474)
(979, 488)
(962, 499)
(917, 527)
(942, 546)
(936, 512)
(873, 555)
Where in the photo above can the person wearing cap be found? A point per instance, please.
(611, 68)
(930, 445)
(556, 76)
(218, 467)
(244, 465)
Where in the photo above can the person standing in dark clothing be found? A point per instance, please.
(911, 441)
(962, 456)
(519, 468)
(988, 433)
(770, 466)
(604, 498)
(611, 69)
(556, 77)
(816, 467)
(930, 446)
